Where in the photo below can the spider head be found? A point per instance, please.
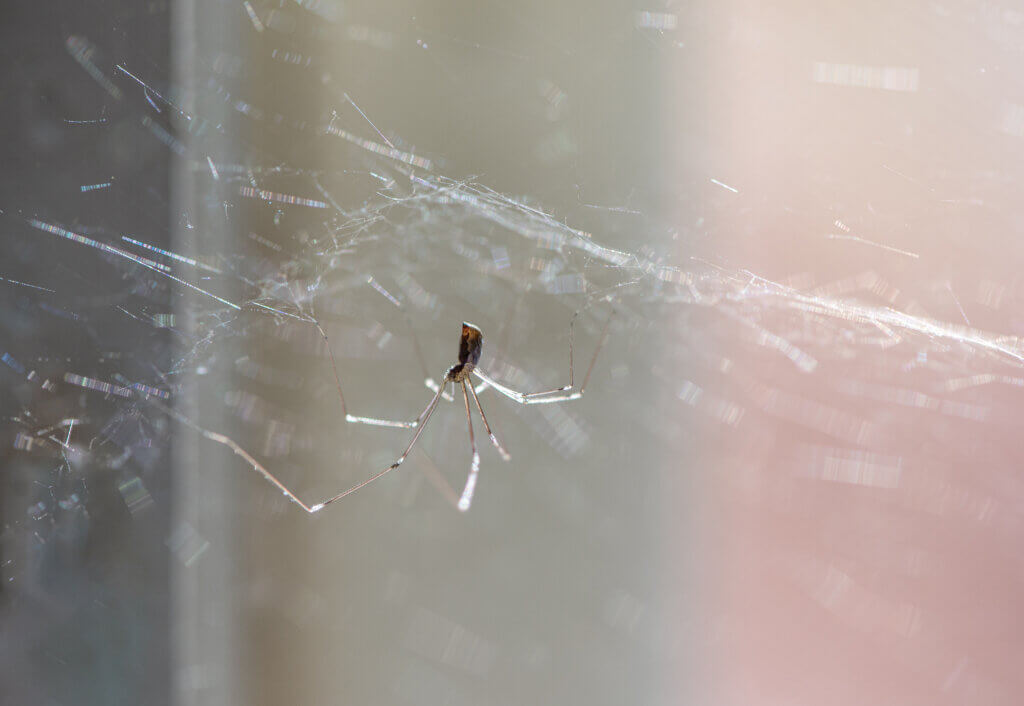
(470, 346)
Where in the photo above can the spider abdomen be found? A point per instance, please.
(470, 346)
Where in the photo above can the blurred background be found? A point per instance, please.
(793, 478)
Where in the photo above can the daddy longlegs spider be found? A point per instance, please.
(460, 374)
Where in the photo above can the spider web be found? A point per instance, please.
(359, 248)
(333, 220)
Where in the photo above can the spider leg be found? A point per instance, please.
(425, 415)
(494, 440)
(273, 480)
(572, 336)
(431, 385)
(560, 394)
(372, 421)
(436, 478)
(474, 469)
(427, 380)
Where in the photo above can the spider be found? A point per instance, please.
(460, 374)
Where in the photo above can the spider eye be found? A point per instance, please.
(471, 344)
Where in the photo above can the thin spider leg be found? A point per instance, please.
(562, 394)
(353, 419)
(401, 459)
(597, 350)
(474, 469)
(494, 440)
(427, 380)
(521, 397)
(563, 388)
(432, 386)
(435, 478)
(273, 480)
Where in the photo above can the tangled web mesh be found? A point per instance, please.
(388, 250)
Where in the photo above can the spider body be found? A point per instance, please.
(470, 346)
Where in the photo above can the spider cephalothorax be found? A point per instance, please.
(470, 346)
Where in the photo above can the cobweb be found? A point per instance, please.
(388, 254)
(351, 249)
(357, 267)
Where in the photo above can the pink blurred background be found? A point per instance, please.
(863, 523)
